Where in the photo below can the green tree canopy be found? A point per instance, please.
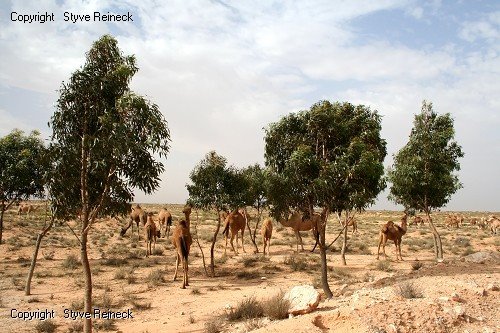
(329, 156)
(423, 175)
(105, 138)
(22, 169)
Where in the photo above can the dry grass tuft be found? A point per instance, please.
(46, 326)
(276, 307)
(247, 309)
(408, 290)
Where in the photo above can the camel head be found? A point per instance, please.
(187, 209)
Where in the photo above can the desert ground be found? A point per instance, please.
(415, 295)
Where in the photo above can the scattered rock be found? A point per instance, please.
(492, 287)
(482, 257)
(303, 299)
(456, 298)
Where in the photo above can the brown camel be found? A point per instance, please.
(182, 240)
(297, 224)
(165, 221)
(151, 234)
(394, 232)
(266, 232)
(136, 215)
(235, 222)
(25, 208)
(352, 222)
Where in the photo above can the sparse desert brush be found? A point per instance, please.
(104, 325)
(408, 290)
(462, 241)
(248, 308)
(248, 275)
(276, 307)
(250, 261)
(76, 305)
(155, 278)
(296, 263)
(216, 325)
(157, 251)
(71, 262)
(45, 326)
(49, 255)
(468, 250)
(75, 327)
(195, 291)
(33, 300)
(416, 265)
(383, 265)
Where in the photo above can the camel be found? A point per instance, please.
(452, 220)
(165, 221)
(394, 232)
(417, 220)
(295, 222)
(352, 222)
(136, 215)
(266, 232)
(151, 234)
(182, 240)
(235, 222)
(494, 224)
(25, 208)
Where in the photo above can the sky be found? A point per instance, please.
(222, 71)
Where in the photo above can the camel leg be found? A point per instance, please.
(242, 246)
(176, 266)
(186, 269)
(225, 247)
(378, 249)
(299, 241)
(232, 245)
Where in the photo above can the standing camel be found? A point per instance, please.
(392, 232)
(151, 234)
(297, 224)
(137, 215)
(182, 240)
(267, 232)
(165, 221)
(235, 222)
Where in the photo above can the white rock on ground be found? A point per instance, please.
(303, 299)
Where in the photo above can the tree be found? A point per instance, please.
(22, 166)
(423, 174)
(255, 195)
(330, 157)
(215, 186)
(103, 144)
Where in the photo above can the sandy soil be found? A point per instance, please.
(454, 296)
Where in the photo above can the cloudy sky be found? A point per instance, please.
(222, 70)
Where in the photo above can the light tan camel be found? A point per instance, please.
(452, 220)
(352, 222)
(394, 232)
(136, 215)
(235, 222)
(418, 221)
(267, 232)
(165, 221)
(151, 234)
(25, 208)
(494, 223)
(182, 240)
(295, 222)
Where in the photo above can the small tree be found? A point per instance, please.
(22, 169)
(104, 141)
(328, 157)
(214, 187)
(423, 175)
(255, 196)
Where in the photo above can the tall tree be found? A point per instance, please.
(330, 157)
(105, 138)
(423, 174)
(215, 186)
(255, 195)
(22, 167)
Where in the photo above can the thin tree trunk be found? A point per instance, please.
(27, 290)
(87, 322)
(322, 254)
(212, 247)
(252, 237)
(1, 222)
(344, 245)
(438, 245)
(199, 245)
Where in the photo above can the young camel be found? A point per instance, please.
(235, 222)
(151, 234)
(165, 221)
(136, 215)
(266, 232)
(182, 240)
(394, 232)
(297, 224)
